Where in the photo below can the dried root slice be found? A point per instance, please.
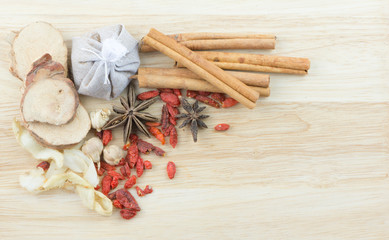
(50, 100)
(31, 43)
(44, 67)
(62, 136)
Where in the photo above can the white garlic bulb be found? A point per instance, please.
(93, 148)
(113, 154)
(99, 118)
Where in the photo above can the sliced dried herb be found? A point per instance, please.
(131, 114)
(192, 117)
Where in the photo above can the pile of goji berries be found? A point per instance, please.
(122, 198)
(216, 100)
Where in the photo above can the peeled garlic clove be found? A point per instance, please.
(99, 118)
(113, 154)
(93, 149)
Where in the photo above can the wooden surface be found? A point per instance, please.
(309, 162)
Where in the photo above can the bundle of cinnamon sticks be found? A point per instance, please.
(204, 68)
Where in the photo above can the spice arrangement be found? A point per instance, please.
(54, 124)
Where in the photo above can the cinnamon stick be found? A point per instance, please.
(203, 68)
(147, 80)
(209, 35)
(251, 79)
(257, 62)
(211, 44)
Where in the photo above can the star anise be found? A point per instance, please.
(131, 114)
(193, 117)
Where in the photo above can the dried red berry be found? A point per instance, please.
(208, 101)
(171, 169)
(115, 174)
(220, 97)
(152, 124)
(132, 154)
(139, 167)
(173, 137)
(177, 92)
(191, 94)
(157, 134)
(229, 102)
(97, 187)
(106, 166)
(106, 184)
(147, 164)
(44, 165)
(222, 127)
(107, 137)
(114, 182)
(148, 95)
(147, 189)
(122, 162)
(127, 213)
(117, 204)
(204, 93)
(130, 182)
(139, 191)
(170, 98)
(165, 90)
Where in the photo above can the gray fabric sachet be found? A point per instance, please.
(103, 61)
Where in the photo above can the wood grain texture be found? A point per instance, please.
(309, 162)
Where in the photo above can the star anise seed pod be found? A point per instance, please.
(131, 114)
(193, 117)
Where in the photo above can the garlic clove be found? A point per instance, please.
(99, 118)
(113, 154)
(93, 148)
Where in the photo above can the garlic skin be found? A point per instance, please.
(93, 148)
(113, 154)
(99, 118)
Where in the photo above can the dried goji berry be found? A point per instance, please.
(191, 93)
(133, 138)
(173, 111)
(107, 137)
(106, 184)
(170, 98)
(158, 151)
(148, 95)
(147, 164)
(100, 171)
(44, 165)
(177, 92)
(145, 147)
(167, 131)
(139, 167)
(126, 199)
(229, 102)
(173, 137)
(106, 166)
(117, 204)
(220, 97)
(147, 189)
(114, 182)
(123, 171)
(222, 127)
(165, 90)
(132, 154)
(157, 134)
(208, 101)
(172, 120)
(204, 93)
(171, 169)
(112, 195)
(127, 213)
(139, 191)
(127, 169)
(115, 174)
(130, 182)
(121, 162)
(164, 118)
(97, 187)
(152, 124)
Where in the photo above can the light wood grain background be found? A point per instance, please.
(310, 162)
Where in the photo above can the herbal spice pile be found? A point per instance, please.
(54, 124)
